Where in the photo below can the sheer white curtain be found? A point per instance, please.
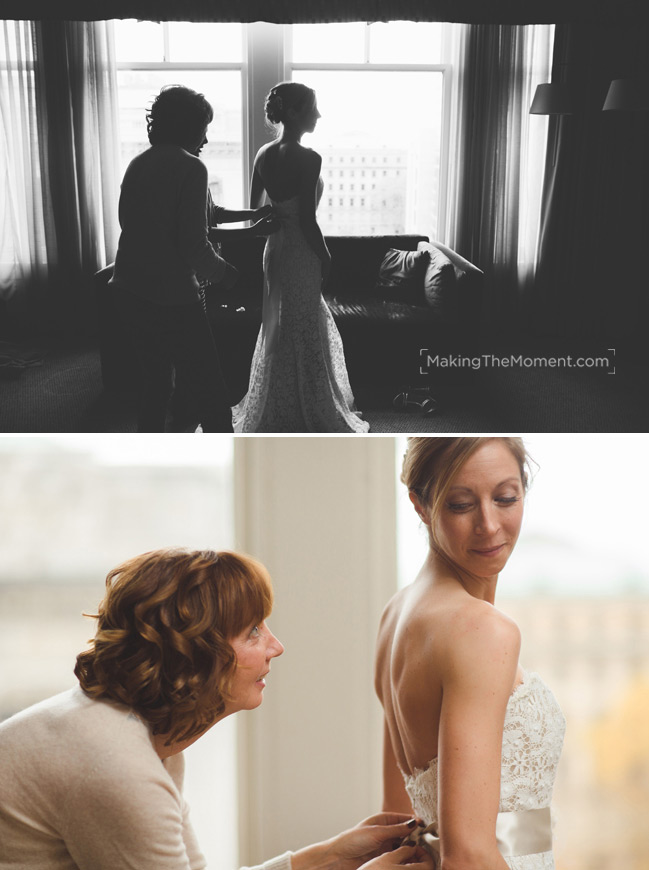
(497, 152)
(59, 167)
(23, 250)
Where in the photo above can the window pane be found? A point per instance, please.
(138, 41)
(205, 43)
(329, 43)
(223, 155)
(405, 42)
(393, 166)
(74, 508)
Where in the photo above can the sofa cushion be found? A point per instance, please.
(356, 260)
(374, 312)
(452, 284)
(465, 272)
(439, 284)
(401, 276)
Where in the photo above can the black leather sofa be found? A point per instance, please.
(383, 332)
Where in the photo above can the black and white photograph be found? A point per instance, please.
(310, 217)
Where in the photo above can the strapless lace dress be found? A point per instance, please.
(298, 379)
(532, 743)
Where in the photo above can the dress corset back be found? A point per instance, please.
(532, 741)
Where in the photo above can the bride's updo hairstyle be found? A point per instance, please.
(285, 96)
(162, 643)
(431, 464)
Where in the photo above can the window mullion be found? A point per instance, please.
(166, 41)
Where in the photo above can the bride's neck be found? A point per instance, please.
(440, 571)
(291, 135)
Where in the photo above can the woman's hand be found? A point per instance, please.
(263, 212)
(373, 840)
(230, 277)
(370, 838)
(404, 856)
(267, 225)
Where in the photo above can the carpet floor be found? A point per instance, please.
(64, 393)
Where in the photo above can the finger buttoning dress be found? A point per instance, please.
(532, 742)
(298, 378)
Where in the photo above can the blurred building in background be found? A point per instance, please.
(594, 654)
(67, 518)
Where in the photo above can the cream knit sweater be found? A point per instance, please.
(82, 788)
(163, 215)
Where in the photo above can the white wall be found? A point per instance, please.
(320, 514)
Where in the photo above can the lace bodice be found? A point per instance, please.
(532, 742)
(298, 377)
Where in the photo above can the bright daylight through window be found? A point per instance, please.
(380, 90)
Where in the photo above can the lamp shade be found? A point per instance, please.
(627, 95)
(552, 99)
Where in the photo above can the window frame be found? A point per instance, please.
(448, 78)
(193, 66)
(267, 59)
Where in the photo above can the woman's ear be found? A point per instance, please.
(422, 511)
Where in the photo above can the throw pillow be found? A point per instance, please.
(440, 282)
(401, 276)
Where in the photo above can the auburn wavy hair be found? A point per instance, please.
(162, 644)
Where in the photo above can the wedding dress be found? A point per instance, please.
(298, 379)
(532, 742)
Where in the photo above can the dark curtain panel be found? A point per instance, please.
(296, 11)
(495, 168)
(73, 187)
(591, 276)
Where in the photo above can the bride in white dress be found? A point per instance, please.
(472, 741)
(298, 379)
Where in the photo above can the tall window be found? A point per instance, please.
(205, 57)
(72, 509)
(578, 587)
(381, 92)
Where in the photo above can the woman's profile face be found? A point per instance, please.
(480, 520)
(308, 117)
(254, 649)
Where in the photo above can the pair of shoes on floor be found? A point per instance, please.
(415, 400)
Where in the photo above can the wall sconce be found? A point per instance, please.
(627, 95)
(552, 99)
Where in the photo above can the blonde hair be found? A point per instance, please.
(431, 464)
(162, 643)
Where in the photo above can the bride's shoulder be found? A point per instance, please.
(472, 628)
(268, 146)
(393, 608)
(309, 156)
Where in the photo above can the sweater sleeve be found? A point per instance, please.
(194, 245)
(282, 862)
(129, 819)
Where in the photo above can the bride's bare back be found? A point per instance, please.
(428, 636)
(285, 168)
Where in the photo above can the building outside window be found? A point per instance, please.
(360, 72)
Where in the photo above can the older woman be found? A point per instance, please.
(471, 740)
(91, 779)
